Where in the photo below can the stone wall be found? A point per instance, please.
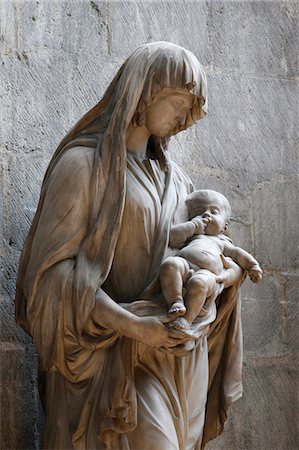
(56, 59)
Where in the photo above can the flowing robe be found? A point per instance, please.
(102, 390)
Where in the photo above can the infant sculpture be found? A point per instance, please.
(197, 263)
(112, 373)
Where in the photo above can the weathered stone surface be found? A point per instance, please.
(261, 34)
(30, 94)
(291, 310)
(55, 26)
(262, 315)
(25, 174)
(180, 17)
(290, 62)
(266, 417)
(248, 130)
(144, 24)
(275, 222)
(1, 205)
(19, 400)
(10, 331)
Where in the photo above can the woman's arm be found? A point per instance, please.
(150, 330)
(232, 273)
(244, 260)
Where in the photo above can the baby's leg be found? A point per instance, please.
(174, 272)
(199, 287)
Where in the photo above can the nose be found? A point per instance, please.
(206, 214)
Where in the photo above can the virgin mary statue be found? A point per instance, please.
(112, 374)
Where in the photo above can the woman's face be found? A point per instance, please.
(167, 112)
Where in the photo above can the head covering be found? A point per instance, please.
(150, 69)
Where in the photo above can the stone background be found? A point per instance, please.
(56, 59)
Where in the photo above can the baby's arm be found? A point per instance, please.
(180, 233)
(244, 260)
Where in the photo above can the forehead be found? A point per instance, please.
(203, 200)
(212, 198)
(181, 95)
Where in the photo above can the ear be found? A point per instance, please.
(225, 226)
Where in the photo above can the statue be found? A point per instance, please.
(197, 263)
(113, 374)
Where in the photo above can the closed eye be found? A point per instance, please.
(182, 105)
(179, 103)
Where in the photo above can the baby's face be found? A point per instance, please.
(214, 214)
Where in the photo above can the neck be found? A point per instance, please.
(137, 140)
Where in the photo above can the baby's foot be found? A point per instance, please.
(180, 324)
(255, 274)
(177, 309)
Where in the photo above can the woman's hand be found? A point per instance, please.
(232, 273)
(149, 330)
(152, 332)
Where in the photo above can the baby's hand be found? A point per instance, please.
(255, 273)
(200, 225)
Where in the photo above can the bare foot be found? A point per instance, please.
(179, 324)
(177, 309)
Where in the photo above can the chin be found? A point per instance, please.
(212, 232)
(172, 132)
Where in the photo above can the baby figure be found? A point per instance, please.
(200, 259)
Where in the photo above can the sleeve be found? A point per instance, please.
(60, 225)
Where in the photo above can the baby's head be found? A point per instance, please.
(211, 206)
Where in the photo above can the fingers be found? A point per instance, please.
(175, 338)
(180, 335)
(221, 288)
(255, 275)
(177, 335)
(225, 263)
(174, 343)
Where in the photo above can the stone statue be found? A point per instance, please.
(197, 263)
(113, 374)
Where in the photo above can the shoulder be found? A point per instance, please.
(224, 238)
(225, 242)
(77, 159)
(74, 166)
